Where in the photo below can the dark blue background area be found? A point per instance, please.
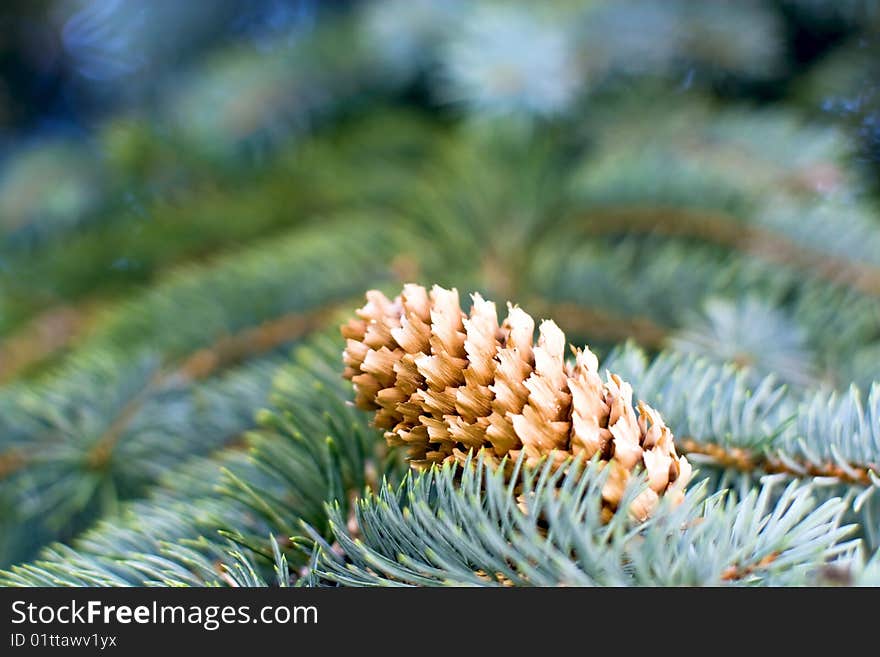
(64, 64)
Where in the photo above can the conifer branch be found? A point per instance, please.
(45, 335)
(601, 323)
(11, 461)
(210, 361)
(717, 540)
(99, 454)
(749, 461)
(251, 342)
(714, 226)
(769, 536)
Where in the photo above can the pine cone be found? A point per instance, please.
(443, 383)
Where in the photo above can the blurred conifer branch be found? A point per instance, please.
(721, 255)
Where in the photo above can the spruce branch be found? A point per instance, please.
(210, 361)
(467, 530)
(601, 323)
(751, 333)
(723, 229)
(148, 373)
(182, 532)
(738, 423)
(44, 335)
(669, 283)
(743, 460)
(77, 451)
(455, 525)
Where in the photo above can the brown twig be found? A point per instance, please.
(10, 461)
(41, 337)
(744, 460)
(237, 348)
(224, 353)
(601, 324)
(720, 228)
(737, 572)
(99, 455)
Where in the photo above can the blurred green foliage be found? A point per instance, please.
(697, 180)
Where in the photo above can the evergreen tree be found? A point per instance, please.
(688, 190)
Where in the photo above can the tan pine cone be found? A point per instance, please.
(442, 382)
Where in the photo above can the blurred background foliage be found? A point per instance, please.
(188, 188)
